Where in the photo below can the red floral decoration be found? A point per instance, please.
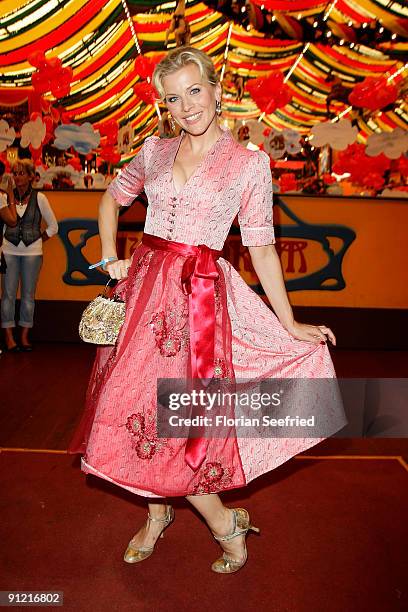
(373, 93)
(328, 179)
(144, 66)
(36, 155)
(403, 165)
(288, 182)
(213, 472)
(269, 93)
(50, 75)
(136, 424)
(373, 180)
(109, 130)
(146, 92)
(110, 155)
(354, 161)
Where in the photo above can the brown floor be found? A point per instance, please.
(333, 519)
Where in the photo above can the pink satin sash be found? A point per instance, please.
(197, 279)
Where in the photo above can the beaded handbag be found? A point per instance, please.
(102, 319)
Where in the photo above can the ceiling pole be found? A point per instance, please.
(137, 45)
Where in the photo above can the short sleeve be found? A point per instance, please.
(255, 215)
(48, 214)
(130, 182)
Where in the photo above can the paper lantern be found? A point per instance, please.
(146, 92)
(144, 66)
(373, 93)
(270, 92)
(37, 59)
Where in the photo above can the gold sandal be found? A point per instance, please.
(226, 565)
(135, 554)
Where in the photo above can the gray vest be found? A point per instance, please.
(28, 228)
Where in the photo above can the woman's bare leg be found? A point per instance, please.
(148, 534)
(219, 518)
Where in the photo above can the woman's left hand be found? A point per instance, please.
(311, 333)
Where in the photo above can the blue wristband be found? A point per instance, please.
(102, 262)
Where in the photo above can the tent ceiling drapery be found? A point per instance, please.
(94, 39)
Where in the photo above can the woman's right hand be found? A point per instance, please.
(118, 269)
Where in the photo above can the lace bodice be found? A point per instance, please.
(231, 180)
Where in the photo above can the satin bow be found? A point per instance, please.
(197, 280)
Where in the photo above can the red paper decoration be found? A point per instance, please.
(146, 92)
(110, 155)
(109, 130)
(373, 93)
(354, 161)
(144, 66)
(288, 182)
(328, 179)
(373, 180)
(36, 155)
(269, 93)
(50, 76)
(37, 59)
(403, 166)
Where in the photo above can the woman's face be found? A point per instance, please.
(21, 178)
(190, 99)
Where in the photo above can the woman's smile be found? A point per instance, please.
(194, 118)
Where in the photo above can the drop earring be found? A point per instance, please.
(218, 107)
(172, 124)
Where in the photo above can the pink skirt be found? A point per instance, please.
(117, 435)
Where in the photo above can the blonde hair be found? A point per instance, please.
(178, 58)
(26, 164)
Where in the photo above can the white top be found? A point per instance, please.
(35, 248)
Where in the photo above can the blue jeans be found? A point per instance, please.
(25, 269)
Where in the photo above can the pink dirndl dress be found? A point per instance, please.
(184, 234)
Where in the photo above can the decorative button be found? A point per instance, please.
(173, 205)
(172, 214)
(174, 199)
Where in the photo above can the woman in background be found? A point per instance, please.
(22, 248)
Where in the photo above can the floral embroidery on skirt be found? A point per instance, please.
(214, 478)
(144, 439)
(171, 329)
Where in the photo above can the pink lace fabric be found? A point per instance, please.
(117, 435)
